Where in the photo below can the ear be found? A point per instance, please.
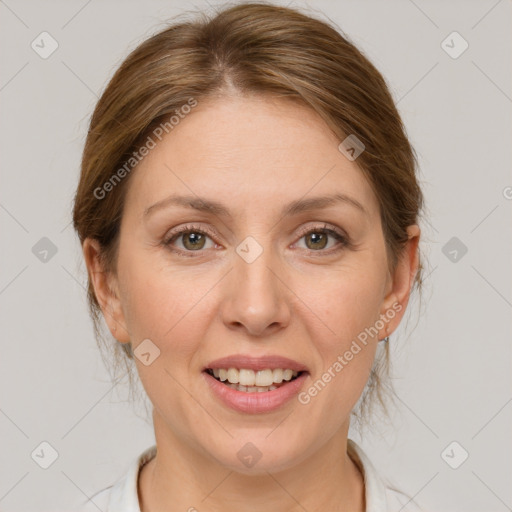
(400, 283)
(106, 291)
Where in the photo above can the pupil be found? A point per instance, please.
(318, 238)
(193, 240)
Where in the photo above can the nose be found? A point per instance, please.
(256, 300)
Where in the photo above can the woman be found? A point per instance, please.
(248, 212)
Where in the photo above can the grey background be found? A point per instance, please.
(451, 362)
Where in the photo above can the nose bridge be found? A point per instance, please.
(257, 300)
(253, 268)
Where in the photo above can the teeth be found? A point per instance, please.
(278, 375)
(287, 374)
(264, 378)
(252, 389)
(247, 377)
(233, 376)
(250, 379)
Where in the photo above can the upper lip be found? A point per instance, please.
(248, 362)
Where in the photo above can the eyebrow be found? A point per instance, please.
(216, 208)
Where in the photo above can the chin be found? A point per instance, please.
(258, 454)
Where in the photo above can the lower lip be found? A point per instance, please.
(257, 402)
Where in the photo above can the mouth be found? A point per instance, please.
(253, 385)
(248, 380)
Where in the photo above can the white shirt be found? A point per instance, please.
(122, 496)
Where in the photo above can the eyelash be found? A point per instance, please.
(343, 240)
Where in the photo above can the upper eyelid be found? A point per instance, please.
(325, 225)
(189, 228)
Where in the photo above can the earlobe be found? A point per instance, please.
(105, 291)
(395, 302)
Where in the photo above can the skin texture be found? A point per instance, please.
(253, 155)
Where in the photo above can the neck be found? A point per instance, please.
(179, 478)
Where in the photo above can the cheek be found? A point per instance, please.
(347, 300)
(348, 303)
(152, 299)
(170, 307)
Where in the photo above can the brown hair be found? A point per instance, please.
(252, 48)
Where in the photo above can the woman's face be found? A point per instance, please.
(254, 278)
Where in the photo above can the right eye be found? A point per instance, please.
(193, 239)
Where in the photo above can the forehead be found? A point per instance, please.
(247, 153)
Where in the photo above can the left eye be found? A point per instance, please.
(317, 239)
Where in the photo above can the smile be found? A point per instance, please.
(250, 381)
(254, 390)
